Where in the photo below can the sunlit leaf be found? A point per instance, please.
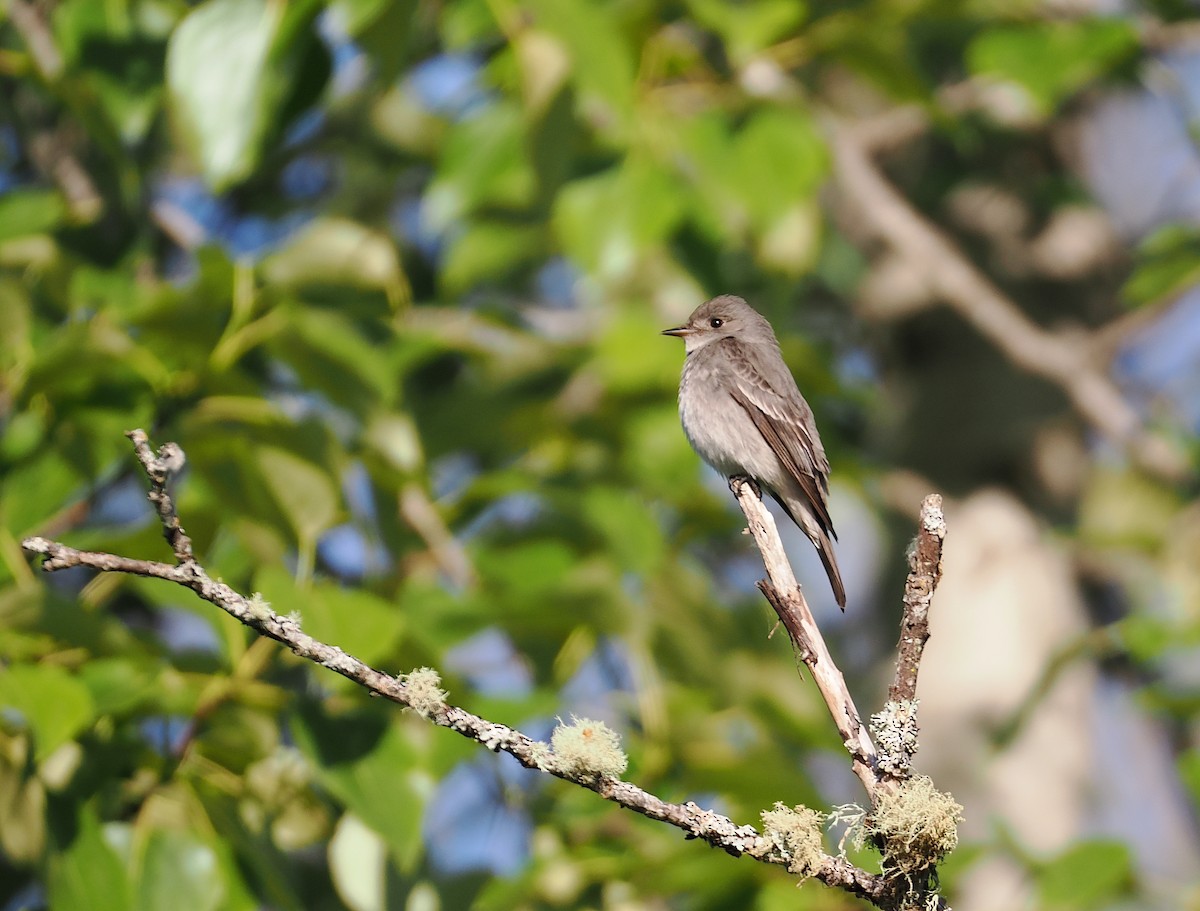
(1168, 262)
(338, 252)
(87, 875)
(118, 684)
(607, 222)
(1052, 59)
(178, 872)
(483, 163)
(489, 252)
(602, 60)
(230, 66)
(628, 527)
(358, 865)
(307, 495)
(748, 27)
(632, 355)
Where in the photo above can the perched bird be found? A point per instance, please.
(743, 414)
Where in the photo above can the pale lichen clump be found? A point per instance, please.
(796, 834)
(896, 735)
(424, 690)
(587, 747)
(541, 756)
(258, 607)
(916, 826)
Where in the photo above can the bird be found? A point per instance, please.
(744, 415)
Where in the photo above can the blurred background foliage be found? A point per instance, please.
(392, 272)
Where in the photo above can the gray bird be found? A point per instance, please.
(743, 414)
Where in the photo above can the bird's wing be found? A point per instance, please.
(786, 422)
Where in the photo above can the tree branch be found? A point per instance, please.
(925, 570)
(950, 276)
(885, 892)
(785, 596)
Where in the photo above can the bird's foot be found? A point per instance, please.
(737, 480)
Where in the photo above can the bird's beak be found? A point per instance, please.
(679, 331)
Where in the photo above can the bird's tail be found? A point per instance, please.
(804, 519)
(829, 560)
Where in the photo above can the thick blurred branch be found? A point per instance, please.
(885, 892)
(883, 214)
(49, 149)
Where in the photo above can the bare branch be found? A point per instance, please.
(788, 601)
(159, 469)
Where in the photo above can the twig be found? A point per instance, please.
(418, 510)
(160, 468)
(925, 570)
(717, 830)
(951, 277)
(788, 601)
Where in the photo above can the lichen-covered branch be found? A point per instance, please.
(912, 823)
(925, 570)
(421, 692)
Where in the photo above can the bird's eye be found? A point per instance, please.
(716, 322)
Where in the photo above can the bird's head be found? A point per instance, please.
(726, 316)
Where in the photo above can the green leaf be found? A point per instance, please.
(488, 251)
(632, 355)
(337, 252)
(178, 872)
(25, 212)
(119, 58)
(1189, 773)
(656, 451)
(626, 524)
(748, 27)
(483, 163)
(52, 703)
(327, 350)
(1052, 60)
(607, 221)
(780, 158)
(370, 770)
(1168, 261)
(231, 65)
(118, 685)
(602, 58)
(87, 875)
(1088, 875)
(527, 569)
(754, 179)
(358, 865)
(306, 494)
